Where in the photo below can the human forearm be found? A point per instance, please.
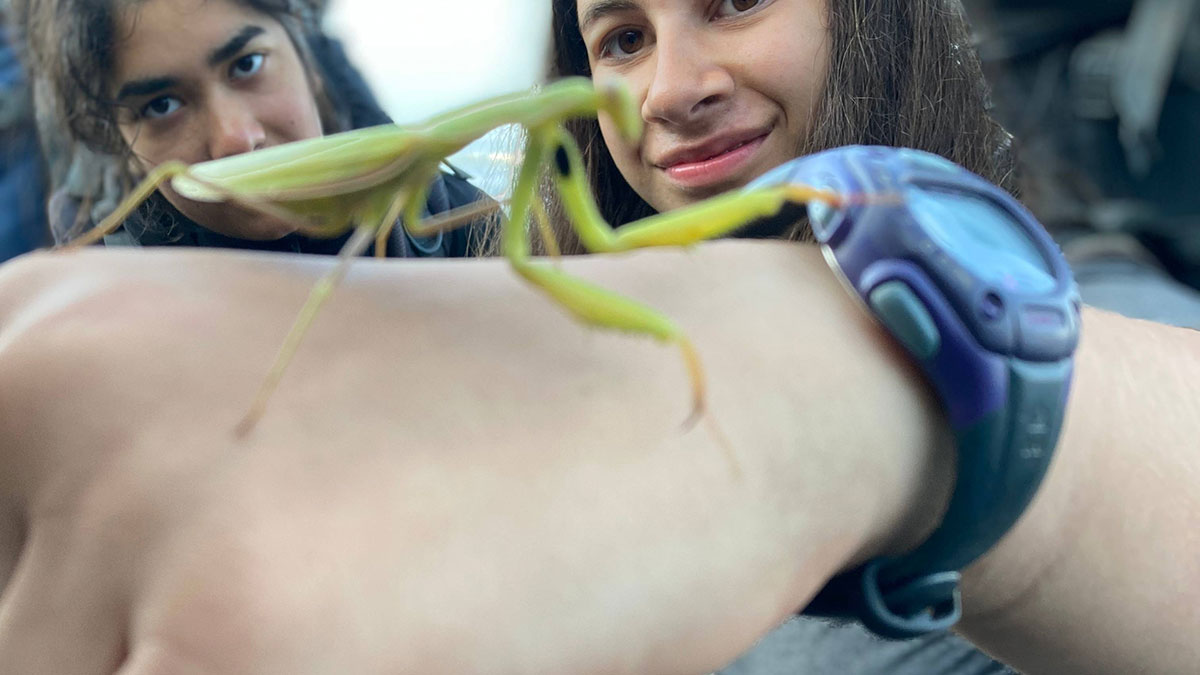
(479, 476)
(1103, 573)
(507, 479)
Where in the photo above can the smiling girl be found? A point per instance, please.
(732, 88)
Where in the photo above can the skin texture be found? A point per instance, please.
(708, 76)
(532, 505)
(257, 94)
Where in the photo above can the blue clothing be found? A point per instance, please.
(22, 183)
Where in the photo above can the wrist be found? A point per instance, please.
(872, 465)
(917, 458)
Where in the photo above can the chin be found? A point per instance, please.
(232, 220)
(251, 227)
(680, 197)
(263, 231)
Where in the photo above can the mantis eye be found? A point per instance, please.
(561, 161)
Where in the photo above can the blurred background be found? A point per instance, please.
(463, 51)
(1103, 98)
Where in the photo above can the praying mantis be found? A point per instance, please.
(367, 179)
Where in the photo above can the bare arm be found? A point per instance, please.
(456, 477)
(1103, 574)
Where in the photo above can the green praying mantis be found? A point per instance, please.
(367, 179)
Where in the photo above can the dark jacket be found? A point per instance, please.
(22, 222)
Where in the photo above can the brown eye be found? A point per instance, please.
(629, 41)
(729, 7)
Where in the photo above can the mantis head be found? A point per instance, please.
(615, 99)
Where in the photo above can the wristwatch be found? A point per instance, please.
(967, 280)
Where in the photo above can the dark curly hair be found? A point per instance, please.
(72, 47)
(70, 50)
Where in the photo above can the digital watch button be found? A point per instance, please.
(906, 317)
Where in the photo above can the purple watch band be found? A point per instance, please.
(980, 296)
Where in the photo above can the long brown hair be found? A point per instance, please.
(901, 73)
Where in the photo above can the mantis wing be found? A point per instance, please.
(355, 161)
(310, 169)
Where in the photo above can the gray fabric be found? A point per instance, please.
(1139, 291)
(1115, 272)
(807, 646)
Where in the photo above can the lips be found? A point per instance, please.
(712, 162)
(709, 149)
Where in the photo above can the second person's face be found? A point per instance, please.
(727, 88)
(199, 80)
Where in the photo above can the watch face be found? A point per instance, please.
(983, 237)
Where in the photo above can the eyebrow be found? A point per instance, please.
(154, 85)
(145, 87)
(235, 44)
(601, 9)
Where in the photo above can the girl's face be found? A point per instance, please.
(727, 87)
(198, 80)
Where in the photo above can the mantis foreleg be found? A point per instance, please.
(159, 175)
(323, 289)
(162, 174)
(454, 218)
(712, 218)
(589, 303)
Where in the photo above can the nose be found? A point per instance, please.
(688, 81)
(234, 128)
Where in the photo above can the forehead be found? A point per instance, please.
(588, 10)
(159, 35)
(591, 7)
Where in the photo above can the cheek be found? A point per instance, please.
(801, 64)
(623, 151)
(291, 116)
(793, 75)
(149, 148)
(297, 106)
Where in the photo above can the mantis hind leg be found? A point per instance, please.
(409, 203)
(447, 220)
(546, 230)
(164, 173)
(320, 293)
(363, 235)
(454, 218)
(159, 175)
